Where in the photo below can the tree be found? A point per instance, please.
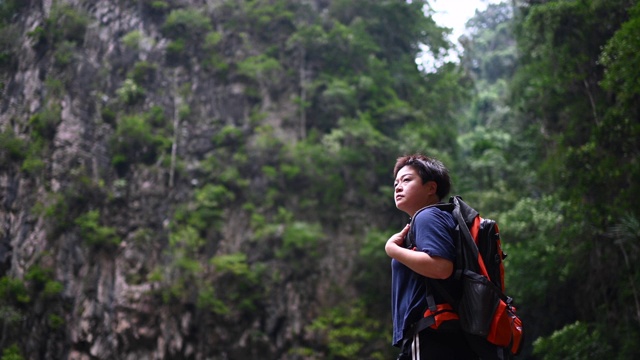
(587, 136)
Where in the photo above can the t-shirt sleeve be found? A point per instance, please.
(433, 228)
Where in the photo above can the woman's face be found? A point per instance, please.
(410, 194)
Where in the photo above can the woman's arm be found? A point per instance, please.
(418, 261)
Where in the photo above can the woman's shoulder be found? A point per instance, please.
(434, 212)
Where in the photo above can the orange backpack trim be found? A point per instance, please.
(444, 312)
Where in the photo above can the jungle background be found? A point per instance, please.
(211, 179)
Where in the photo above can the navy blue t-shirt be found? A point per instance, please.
(433, 233)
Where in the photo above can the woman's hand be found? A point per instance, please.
(418, 261)
(396, 240)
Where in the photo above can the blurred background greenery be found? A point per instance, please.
(231, 165)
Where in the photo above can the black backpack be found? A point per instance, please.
(483, 311)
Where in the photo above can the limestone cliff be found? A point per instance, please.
(152, 206)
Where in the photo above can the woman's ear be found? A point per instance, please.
(432, 187)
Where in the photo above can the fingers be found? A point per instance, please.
(398, 238)
(401, 235)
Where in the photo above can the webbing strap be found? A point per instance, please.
(431, 302)
(420, 325)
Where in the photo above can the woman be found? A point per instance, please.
(421, 181)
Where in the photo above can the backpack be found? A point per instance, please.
(483, 311)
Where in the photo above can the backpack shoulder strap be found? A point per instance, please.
(409, 240)
(467, 213)
(466, 217)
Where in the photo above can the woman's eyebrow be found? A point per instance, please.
(400, 178)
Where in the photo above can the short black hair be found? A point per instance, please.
(429, 169)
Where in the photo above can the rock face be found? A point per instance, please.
(134, 212)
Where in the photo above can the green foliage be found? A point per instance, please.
(108, 115)
(132, 39)
(618, 57)
(191, 275)
(347, 47)
(56, 210)
(617, 135)
(575, 341)
(232, 273)
(300, 241)
(52, 288)
(531, 232)
(134, 142)
(158, 4)
(65, 23)
(235, 264)
(13, 291)
(176, 48)
(339, 97)
(490, 52)
(216, 62)
(212, 39)
(373, 277)
(260, 68)
(206, 213)
(184, 110)
(186, 23)
(12, 352)
(157, 7)
(45, 122)
(42, 279)
(352, 146)
(240, 280)
(157, 118)
(34, 163)
(323, 189)
(10, 315)
(535, 234)
(9, 43)
(270, 19)
(10, 8)
(18, 296)
(61, 209)
(396, 28)
(188, 240)
(349, 332)
(95, 234)
(143, 73)
(38, 35)
(208, 299)
(64, 53)
(485, 152)
(9, 36)
(262, 229)
(130, 92)
(12, 148)
(55, 87)
(359, 74)
(182, 280)
(580, 117)
(55, 321)
(229, 135)
(225, 165)
(565, 126)
(561, 42)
